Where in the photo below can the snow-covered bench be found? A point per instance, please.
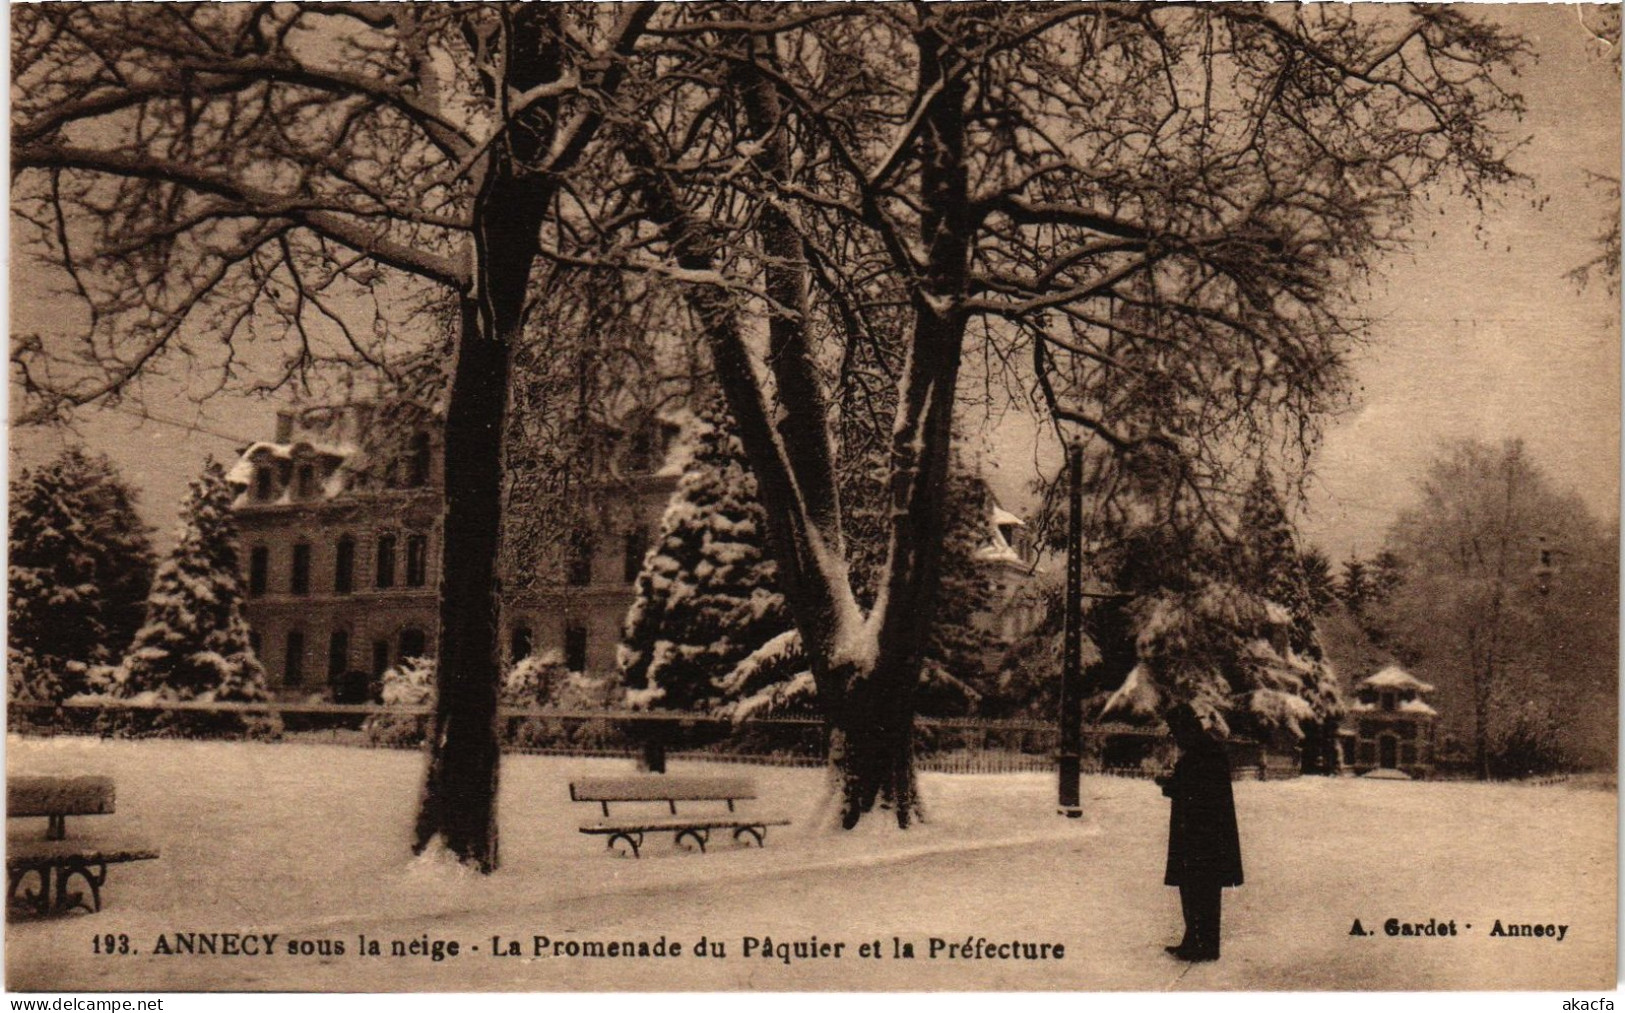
(56, 859)
(695, 827)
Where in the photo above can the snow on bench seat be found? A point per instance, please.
(56, 859)
(695, 827)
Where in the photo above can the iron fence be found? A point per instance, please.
(950, 745)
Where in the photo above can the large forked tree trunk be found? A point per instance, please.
(459, 792)
(522, 175)
(868, 672)
(874, 723)
(867, 667)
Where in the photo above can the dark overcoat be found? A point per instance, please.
(1203, 845)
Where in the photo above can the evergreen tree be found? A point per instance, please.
(1387, 574)
(705, 598)
(195, 643)
(79, 568)
(1223, 625)
(1354, 585)
(1274, 569)
(956, 676)
(1317, 576)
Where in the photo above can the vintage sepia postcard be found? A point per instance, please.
(803, 497)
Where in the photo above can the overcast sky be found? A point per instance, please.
(1478, 335)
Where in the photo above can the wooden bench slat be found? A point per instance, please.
(22, 854)
(91, 795)
(668, 825)
(660, 788)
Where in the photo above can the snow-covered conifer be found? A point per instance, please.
(78, 571)
(195, 643)
(706, 597)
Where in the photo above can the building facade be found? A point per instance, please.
(341, 550)
(340, 522)
(1393, 725)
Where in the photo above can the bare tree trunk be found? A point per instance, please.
(459, 793)
(877, 713)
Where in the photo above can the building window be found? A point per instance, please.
(307, 481)
(637, 546)
(417, 461)
(1388, 702)
(344, 566)
(386, 561)
(338, 652)
(293, 662)
(413, 643)
(417, 560)
(575, 647)
(380, 657)
(519, 643)
(264, 482)
(578, 569)
(259, 569)
(299, 582)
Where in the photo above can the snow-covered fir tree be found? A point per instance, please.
(705, 598)
(79, 568)
(1225, 626)
(195, 643)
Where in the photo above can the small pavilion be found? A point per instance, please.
(1394, 726)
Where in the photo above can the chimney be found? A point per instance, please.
(284, 427)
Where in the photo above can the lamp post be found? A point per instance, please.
(1072, 642)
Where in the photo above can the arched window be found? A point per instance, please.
(519, 643)
(380, 657)
(264, 482)
(299, 578)
(344, 565)
(417, 461)
(417, 560)
(386, 561)
(578, 568)
(338, 652)
(413, 643)
(293, 659)
(259, 569)
(575, 647)
(637, 546)
(307, 481)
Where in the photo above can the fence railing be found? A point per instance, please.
(953, 745)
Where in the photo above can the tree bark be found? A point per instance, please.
(459, 793)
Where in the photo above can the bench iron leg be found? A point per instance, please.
(94, 878)
(633, 841)
(39, 900)
(699, 836)
(758, 833)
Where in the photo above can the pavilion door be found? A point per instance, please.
(1388, 748)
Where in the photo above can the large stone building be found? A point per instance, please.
(341, 524)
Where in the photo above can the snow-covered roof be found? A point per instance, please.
(1417, 707)
(1394, 677)
(1003, 517)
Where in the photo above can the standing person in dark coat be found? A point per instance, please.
(1204, 849)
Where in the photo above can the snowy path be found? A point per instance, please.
(307, 842)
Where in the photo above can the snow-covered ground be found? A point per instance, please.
(309, 842)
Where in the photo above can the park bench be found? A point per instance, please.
(56, 859)
(658, 788)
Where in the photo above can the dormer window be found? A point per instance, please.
(264, 482)
(1388, 700)
(417, 461)
(307, 481)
